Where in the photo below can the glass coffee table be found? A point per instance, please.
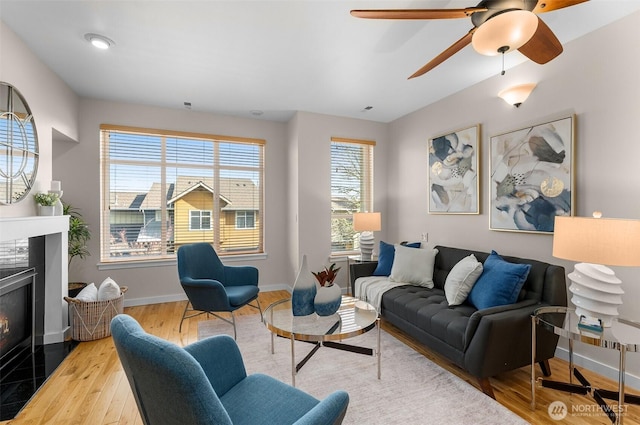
(354, 317)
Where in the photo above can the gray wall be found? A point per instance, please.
(297, 189)
(596, 78)
(53, 105)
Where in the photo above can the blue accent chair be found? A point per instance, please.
(206, 383)
(213, 287)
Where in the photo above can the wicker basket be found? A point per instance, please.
(92, 320)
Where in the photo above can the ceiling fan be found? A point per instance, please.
(499, 26)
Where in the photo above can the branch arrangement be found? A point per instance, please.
(327, 276)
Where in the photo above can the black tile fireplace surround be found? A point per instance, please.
(22, 375)
(26, 376)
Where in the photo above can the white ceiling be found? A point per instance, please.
(232, 57)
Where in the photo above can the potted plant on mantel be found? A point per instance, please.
(79, 234)
(46, 203)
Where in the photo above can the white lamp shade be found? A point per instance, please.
(509, 30)
(517, 94)
(612, 242)
(367, 222)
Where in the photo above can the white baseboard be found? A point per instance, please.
(611, 372)
(132, 302)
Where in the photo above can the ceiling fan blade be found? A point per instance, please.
(549, 5)
(543, 46)
(417, 13)
(452, 50)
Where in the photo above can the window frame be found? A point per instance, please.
(252, 165)
(253, 220)
(200, 216)
(366, 187)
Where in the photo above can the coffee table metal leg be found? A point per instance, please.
(293, 361)
(379, 354)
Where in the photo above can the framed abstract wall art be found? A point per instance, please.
(532, 176)
(453, 172)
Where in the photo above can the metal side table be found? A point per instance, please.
(623, 336)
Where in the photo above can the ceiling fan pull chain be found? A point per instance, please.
(502, 50)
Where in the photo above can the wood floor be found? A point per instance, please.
(90, 387)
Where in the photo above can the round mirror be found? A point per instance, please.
(18, 146)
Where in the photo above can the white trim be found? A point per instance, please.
(605, 370)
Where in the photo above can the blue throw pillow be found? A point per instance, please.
(385, 257)
(499, 283)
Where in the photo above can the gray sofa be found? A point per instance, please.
(482, 342)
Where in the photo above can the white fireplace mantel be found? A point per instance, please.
(55, 230)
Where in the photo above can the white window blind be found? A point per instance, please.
(163, 189)
(351, 189)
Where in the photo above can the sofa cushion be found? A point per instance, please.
(414, 266)
(461, 279)
(499, 283)
(386, 256)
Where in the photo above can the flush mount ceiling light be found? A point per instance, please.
(505, 32)
(517, 94)
(99, 41)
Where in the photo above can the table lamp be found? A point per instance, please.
(597, 242)
(366, 223)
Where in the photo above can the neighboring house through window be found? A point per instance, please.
(163, 189)
(351, 189)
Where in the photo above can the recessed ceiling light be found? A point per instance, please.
(99, 41)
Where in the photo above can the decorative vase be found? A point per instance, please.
(327, 300)
(304, 291)
(46, 210)
(58, 208)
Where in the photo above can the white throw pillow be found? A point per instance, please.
(461, 279)
(88, 294)
(414, 266)
(108, 290)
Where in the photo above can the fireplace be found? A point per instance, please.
(50, 260)
(17, 315)
(33, 314)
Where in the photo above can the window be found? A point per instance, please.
(351, 189)
(163, 189)
(245, 220)
(199, 220)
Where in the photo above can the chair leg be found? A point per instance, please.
(260, 310)
(184, 314)
(233, 319)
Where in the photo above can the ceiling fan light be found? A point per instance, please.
(505, 32)
(516, 95)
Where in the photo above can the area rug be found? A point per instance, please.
(412, 389)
